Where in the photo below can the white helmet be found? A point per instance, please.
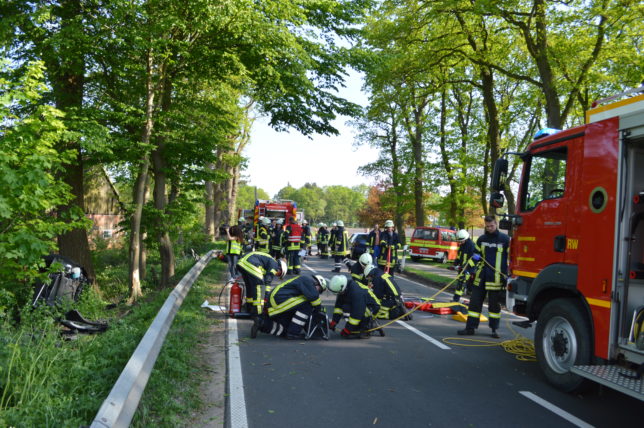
(266, 221)
(321, 281)
(338, 284)
(389, 223)
(280, 221)
(305, 222)
(283, 269)
(462, 235)
(369, 269)
(365, 259)
(242, 219)
(334, 224)
(340, 223)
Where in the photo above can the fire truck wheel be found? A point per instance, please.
(563, 339)
(414, 258)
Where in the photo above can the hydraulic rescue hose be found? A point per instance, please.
(521, 347)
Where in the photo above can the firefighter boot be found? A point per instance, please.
(257, 324)
(495, 334)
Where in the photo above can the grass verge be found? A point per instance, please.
(47, 381)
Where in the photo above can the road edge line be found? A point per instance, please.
(556, 410)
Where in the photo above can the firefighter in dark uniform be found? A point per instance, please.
(276, 239)
(492, 257)
(293, 243)
(290, 305)
(386, 290)
(258, 269)
(389, 246)
(322, 239)
(263, 236)
(357, 269)
(464, 264)
(339, 245)
(306, 237)
(356, 299)
(373, 241)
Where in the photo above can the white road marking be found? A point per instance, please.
(423, 335)
(556, 410)
(238, 417)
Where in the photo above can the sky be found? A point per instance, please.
(277, 159)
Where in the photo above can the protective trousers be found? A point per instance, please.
(253, 292)
(476, 304)
(294, 263)
(290, 322)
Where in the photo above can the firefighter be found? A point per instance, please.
(389, 245)
(276, 239)
(357, 269)
(306, 238)
(247, 230)
(339, 245)
(293, 243)
(386, 290)
(263, 236)
(234, 244)
(290, 305)
(322, 239)
(358, 301)
(258, 269)
(464, 265)
(492, 256)
(373, 241)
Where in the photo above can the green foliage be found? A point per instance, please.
(30, 184)
(45, 381)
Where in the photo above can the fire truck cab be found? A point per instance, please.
(435, 243)
(279, 209)
(577, 249)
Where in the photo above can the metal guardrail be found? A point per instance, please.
(118, 408)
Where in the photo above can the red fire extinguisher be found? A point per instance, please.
(235, 299)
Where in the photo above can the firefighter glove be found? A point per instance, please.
(332, 325)
(345, 332)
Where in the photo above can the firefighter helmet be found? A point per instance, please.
(370, 269)
(334, 224)
(242, 219)
(462, 235)
(365, 259)
(389, 223)
(266, 221)
(283, 269)
(305, 222)
(340, 223)
(280, 221)
(321, 281)
(338, 284)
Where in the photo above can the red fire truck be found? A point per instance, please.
(281, 208)
(577, 250)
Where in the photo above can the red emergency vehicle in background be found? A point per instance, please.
(435, 243)
(281, 208)
(577, 250)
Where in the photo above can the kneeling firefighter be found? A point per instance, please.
(387, 291)
(290, 305)
(358, 301)
(258, 269)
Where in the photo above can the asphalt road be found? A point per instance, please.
(407, 378)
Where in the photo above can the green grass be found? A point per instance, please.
(46, 381)
(430, 276)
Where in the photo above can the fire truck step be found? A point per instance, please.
(622, 379)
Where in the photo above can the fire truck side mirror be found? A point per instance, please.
(505, 224)
(497, 200)
(499, 175)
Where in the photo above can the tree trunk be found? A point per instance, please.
(419, 163)
(140, 186)
(166, 252)
(143, 251)
(492, 113)
(66, 69)
(209, 227)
